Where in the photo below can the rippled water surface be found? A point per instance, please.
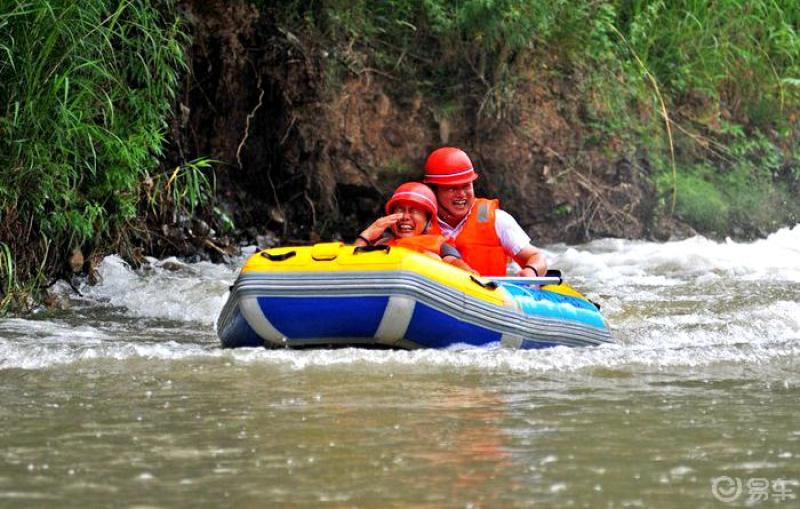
(126, 399)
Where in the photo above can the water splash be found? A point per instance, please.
(191, 292)
(690, 303)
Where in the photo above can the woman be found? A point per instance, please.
(410, 211)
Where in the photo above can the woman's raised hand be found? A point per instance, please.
(374, 231)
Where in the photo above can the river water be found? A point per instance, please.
(126, 400)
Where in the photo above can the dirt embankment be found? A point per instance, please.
(304, 160)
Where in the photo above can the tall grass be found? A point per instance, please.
(7, 273)
(85, 91)
(180, 191)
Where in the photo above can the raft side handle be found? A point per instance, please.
(491, 285)
(555, 273)
(278, 257)
(370, 249)
(519, 280)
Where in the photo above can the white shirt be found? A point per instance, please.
(512, 237)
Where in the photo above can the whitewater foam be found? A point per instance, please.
(614, 262)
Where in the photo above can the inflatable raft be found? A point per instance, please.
(381, 296)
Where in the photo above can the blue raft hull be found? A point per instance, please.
(399, 309)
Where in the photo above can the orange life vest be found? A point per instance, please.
(478, 242)
(420, 243)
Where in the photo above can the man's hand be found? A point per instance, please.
(532, 262)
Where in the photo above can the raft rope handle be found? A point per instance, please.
(370, 249)
(491, 285)
(278, 257)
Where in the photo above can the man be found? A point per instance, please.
(485, 235)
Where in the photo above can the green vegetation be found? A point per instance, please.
(86, 89)
(728, 70)
(692, 84)
(700, 203)
(706, 93)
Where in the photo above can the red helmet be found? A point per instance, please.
(449, 166)
(414, 193)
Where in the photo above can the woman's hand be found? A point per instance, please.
(375, 231)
